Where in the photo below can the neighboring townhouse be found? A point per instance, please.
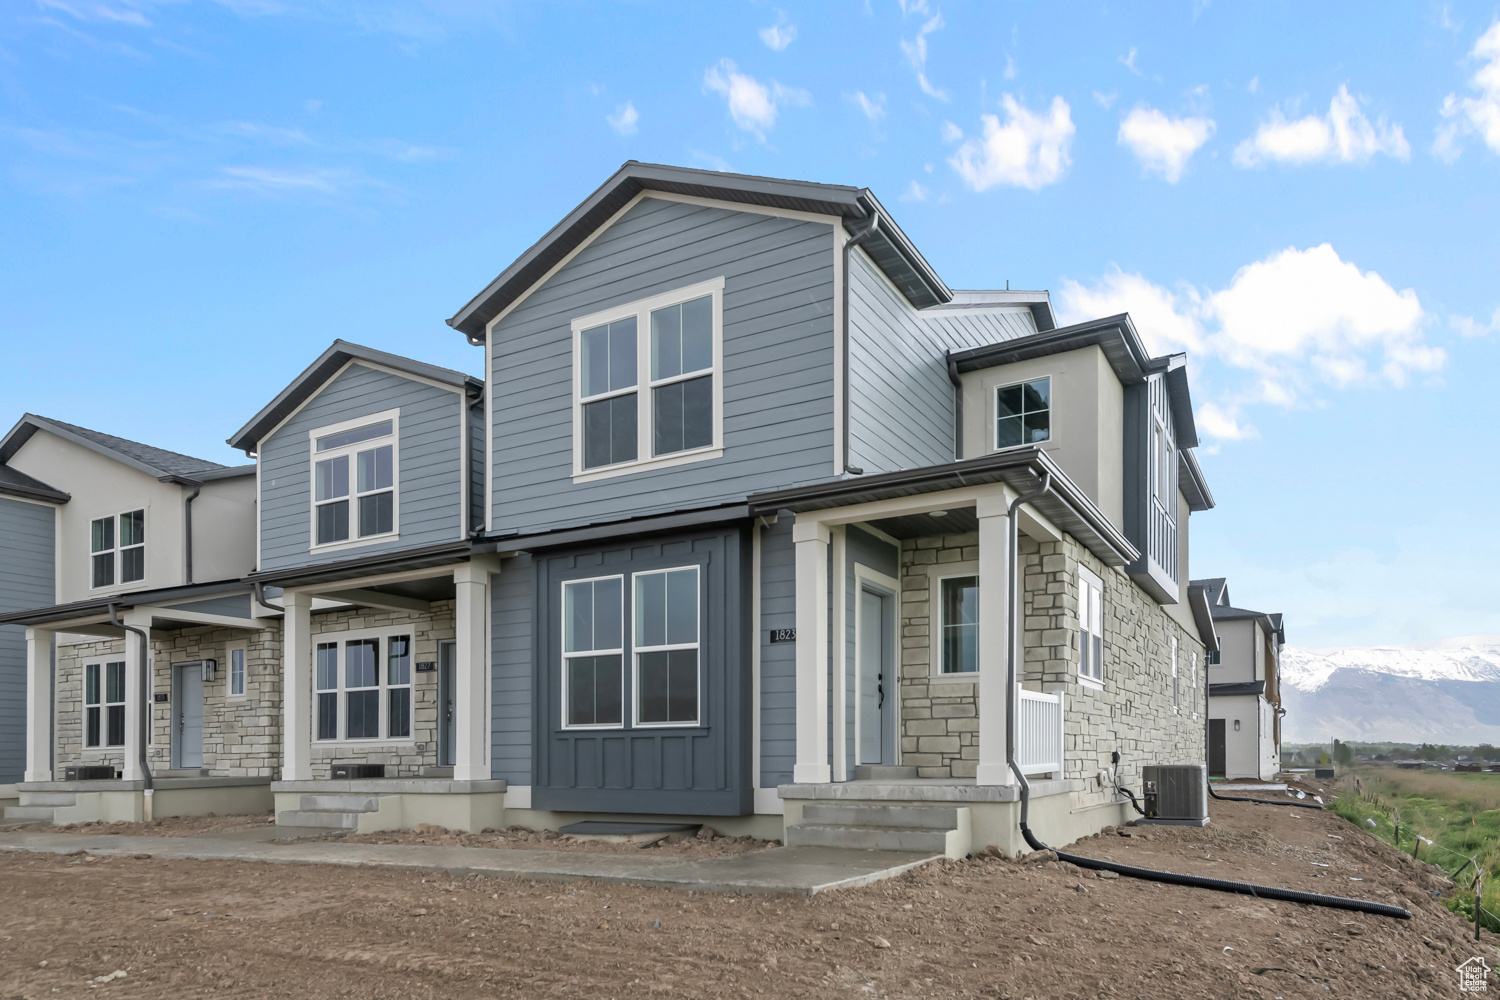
(1244, 688)
(132, 556)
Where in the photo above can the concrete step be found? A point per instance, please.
(876, 838)
(37, 814)
(942, 818)
(324, 820)
(49, 798)
(884, 772)
(341, 803)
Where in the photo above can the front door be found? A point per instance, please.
(446, 657)
(877, 688)
(1216, 748)
(187, 716)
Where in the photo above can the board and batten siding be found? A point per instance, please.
(475, 417)
(778, 660)
(512, 659)
(430, 479)
(777, 365)
(27, 549)
(900, 397)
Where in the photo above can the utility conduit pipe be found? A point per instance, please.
(1129, 871)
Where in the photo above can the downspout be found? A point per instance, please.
(1012, 639)
(114, 619)
(187, 519)
(849, 244)
(958, 410)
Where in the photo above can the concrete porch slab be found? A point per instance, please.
(801, 871)
(1258, 786)
(921, 790)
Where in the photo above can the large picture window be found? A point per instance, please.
(1023, 413)
(666, 647)
(1090, 626)
(356, 698)
(647, 382)
(104, 704)
(593, 652)
(117, 549)
(960, 624)
(354, 482)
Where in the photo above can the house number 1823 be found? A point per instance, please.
(783, 635)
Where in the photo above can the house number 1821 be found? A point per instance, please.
(783, 635)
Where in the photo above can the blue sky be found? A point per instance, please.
(197, 197)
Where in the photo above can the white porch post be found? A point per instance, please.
(296, 687)
(994, 695)
(137, 680)
(811, 542)
(39, 704)
(471, 673)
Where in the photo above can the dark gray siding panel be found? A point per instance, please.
(778, 661)
(882, 557)
(430, 480)
(512, 654)
(901, 400)
(233, 606)
(476, 467)
(27, 581)
(778, 364)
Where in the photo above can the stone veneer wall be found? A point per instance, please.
(67, 728)
(939, 719)
(403, 758)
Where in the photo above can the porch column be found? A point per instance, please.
(39, 704)
(994, 697)
(811, 541)
(137, 682)
(471, 671)
(296, 687)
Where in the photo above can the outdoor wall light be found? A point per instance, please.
(937, 513)
(1236, 725)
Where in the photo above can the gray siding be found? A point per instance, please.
(901, 399)
(778, 364)
(512, 653)
(430, 478)
(883, 557)
(28, 581)
(233, 606)
(778, 661)
(476, 466)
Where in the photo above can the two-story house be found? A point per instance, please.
(140, 658)
(1244, 689)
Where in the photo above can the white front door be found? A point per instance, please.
(877, 687)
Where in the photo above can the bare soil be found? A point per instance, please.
(705, 844)
(986, 927)
(175, 826)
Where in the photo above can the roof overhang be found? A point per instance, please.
(30, 423)
(16, 483)
(1191, 482)
(1022, 469)
(1236, 687)
(351, 569)
(1203, 617)
(61, 613)
(612, 530)
(889, 247)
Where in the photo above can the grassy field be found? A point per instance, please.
(1443, 817)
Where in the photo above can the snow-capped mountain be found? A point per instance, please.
(1447, 691)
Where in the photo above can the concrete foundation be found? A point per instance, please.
(379, 804)
(63, 802)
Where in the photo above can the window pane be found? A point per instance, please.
(609, 431)
(236, 671)
(133, 564)
(400, 713)
(328, 716)
(593, 352)
(654, 680)
(361, 659)
(698, 412)
(1008, 401)
(114, 682)
(1037, 394)
(333, 522)
(91, 738)
(375, 469)
(608, 613)
(667, 418)
(666, 342)
(376, 514)
(91, 684)
(622, 371)
(104, 569)
(698, 334)
(622, 421)
(398, 662)
(328, 666)
(133, 528)
(103, 534)
(333, 478)
(594, 692)
(682, 606)
(1098, 657)
(116, 734)
(1038, 427)
(363, 719)
(960, 610)
(651, 609)
(1007, 432)
(682, 685)
(578, 617)
(366, 433)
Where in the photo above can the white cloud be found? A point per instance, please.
(1128, 61)
(1029, 150)
(1162, 144)
(1010, 72)
(872, 107)
(709, 161)
(916, 51)
(1344, 135)
(1106, 101)
(1223, 422)
(98, 12)
(952, 133)
(779, 35)
(1468, 326)
(753, 105)
(269, 180)
(915, 192)
(270, 133)
(1481, 114)
(624, 119)
(1254, 85)
(1295, 321)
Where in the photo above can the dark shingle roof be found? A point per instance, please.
(19, 484)
(157, 461)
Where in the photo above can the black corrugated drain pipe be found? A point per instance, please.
(1129, 871)
(114, 619)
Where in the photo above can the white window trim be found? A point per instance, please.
(994, 413)
(562, 645)
(103, 749)
(645, 433)
(115, 552)
(351, 450)
(1089, 578)
(230, 648)
(1176, 688)
(636, 649)
(936, 574)
(383, 634)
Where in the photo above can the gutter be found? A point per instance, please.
(854, 240)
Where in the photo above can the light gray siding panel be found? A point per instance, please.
(778, 661)
(778, 364)
(26, 552)
(233, 606)
(512, 652)
(430, 479)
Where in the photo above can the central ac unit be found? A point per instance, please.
(354, 772)
(90, 772)
(1175, 794)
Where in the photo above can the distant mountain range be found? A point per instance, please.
(1446, 691)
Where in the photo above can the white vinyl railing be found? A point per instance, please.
(1039, 731)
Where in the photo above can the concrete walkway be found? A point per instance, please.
(802, 871)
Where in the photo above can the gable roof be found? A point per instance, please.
(1216, 587)
(889, 247)
(327, 365)
(145, 458)
(19, 484)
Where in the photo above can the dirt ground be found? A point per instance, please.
(986, 927)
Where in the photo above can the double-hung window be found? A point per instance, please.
(648, 382)
(666, 647)
(593, 651)
(354, 481)
(1023, 413)
(1090, 626)
(356, 698)
(117, 547)
(960, 624)
(235, 654)
(104, 704)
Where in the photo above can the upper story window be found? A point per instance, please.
(960, 624)
(1090, 626)
(117, 548)
(1023, 413)
(648, 389)
(354, 480)
(1163, 466)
